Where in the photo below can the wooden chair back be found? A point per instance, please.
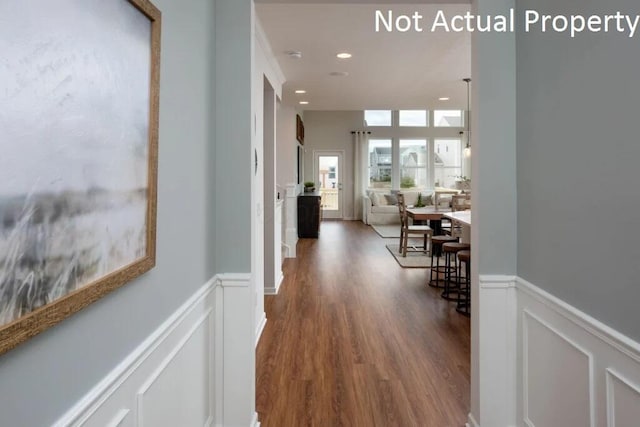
(460, 202)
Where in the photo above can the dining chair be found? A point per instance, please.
(407, 229)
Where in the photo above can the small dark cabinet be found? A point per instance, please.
(309, 215)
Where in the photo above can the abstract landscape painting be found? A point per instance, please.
(78, 150)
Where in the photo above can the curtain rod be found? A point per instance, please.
(363, 131)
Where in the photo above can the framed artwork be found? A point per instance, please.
(299, 129)
(79, 144)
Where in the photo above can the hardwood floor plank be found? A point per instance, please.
(353, 339)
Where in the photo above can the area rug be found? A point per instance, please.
(412, 260)
(387, 231)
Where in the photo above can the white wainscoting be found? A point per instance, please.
(573, 370)
(176, 376)
(291, 219)
(544, 363)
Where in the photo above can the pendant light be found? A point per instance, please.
(467, 149)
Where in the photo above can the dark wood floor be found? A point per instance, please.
(353, 339)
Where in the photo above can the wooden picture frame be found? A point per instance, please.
(69, 241)
(299, 129)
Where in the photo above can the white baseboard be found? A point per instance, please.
(177, 375)
(255, 422)
(472, 421)
(260, 328)
(274, 291)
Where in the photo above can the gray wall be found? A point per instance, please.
(43, 377)
(331, 130)
(577, 163)
(235, 124)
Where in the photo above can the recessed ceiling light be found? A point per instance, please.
(344, 55)
(294, 54)
(339, 73)
(444, 98)
(300, 91)
(304, 102)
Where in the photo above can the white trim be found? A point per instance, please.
(471, 421)
(140, 394)
(494, 281)
(497, 354)
(273, 64)
(611, 355)
(274, 291)
(119, 418)
(598, 329)
(254, 421)
(219, 304)
(234, 280)
(92, 401)
(612, 375)
(260, 328)
(526, 315)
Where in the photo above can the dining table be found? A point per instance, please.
(431, 214)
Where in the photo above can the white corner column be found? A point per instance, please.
(291, 219)
(237, 210)
(494, 219)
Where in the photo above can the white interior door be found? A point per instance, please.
(329, 172)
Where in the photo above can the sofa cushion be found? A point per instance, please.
(392, 199)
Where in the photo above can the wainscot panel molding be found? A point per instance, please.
(291, 219)
(277, 250)
(572, 369)
(176, 376)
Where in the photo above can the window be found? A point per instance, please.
(413, 118)
(447, 161)
(413, 163)
(377, 117)
(447, 118)
(380, 163)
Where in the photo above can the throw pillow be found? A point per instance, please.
(374, 198)
(392, 199)
(428, 200)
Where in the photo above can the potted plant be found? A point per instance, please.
(419, 202)
(463, 183)
(309, 187)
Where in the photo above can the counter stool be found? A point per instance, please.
(464, 288)
(450, 250)
(436, 250)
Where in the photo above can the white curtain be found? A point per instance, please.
(360, 166)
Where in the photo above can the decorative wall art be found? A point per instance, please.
(78, 162)
(299, 129)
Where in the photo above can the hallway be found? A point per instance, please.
(353, 339)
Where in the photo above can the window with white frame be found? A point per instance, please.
(413, 163)
(416, 149)
(413, 118)
(447, 118)
(380, 163)
(378, 118)
(447, 161)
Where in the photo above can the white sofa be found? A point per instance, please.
(378, 211)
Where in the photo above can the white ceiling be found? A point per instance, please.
(396, 70)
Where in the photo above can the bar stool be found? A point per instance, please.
(450, 251)
(464, 292)
(436, 250)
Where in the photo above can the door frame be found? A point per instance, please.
(341, 155)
